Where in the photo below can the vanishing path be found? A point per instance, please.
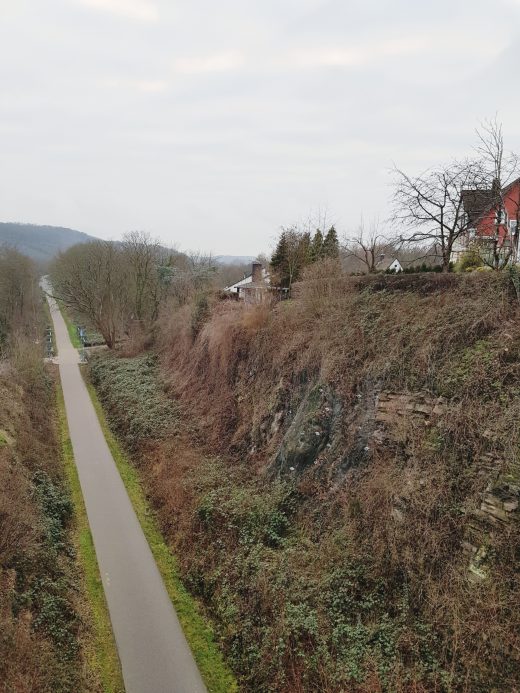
(154, 654)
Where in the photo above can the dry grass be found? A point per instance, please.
(421, 625)
(40, 606)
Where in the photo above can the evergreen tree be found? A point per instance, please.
(292, 253)
(317, 246)
(331, 243)
(279, 257)
(305, 250)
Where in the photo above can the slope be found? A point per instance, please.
(41, 243)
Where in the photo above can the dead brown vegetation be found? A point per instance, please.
(40, 625)
(347, 572)
(40, 604)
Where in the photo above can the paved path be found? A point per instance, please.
(155, 656)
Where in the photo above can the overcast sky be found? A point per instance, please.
(211, 124)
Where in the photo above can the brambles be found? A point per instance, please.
(129, 389)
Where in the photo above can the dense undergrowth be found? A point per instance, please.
(45, 635)
(41, 606)
(325, 539)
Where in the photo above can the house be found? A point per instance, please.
(256, 288)
(482, 209)
(388, 264)
(253, 286)
(258, 277)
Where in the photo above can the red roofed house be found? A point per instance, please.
(493, 221)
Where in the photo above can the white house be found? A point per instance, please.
(258, 280)
(389, 264)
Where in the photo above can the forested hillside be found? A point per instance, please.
(40, 243)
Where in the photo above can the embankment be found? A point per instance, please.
(339, 478)
(46, 639)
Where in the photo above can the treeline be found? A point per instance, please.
(19, 294)
(297, 249)
(119, 288)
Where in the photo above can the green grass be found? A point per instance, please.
(198, 632)
(71, 328)
(48, 318)
(100, 651)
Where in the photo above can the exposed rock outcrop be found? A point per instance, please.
(310, 431)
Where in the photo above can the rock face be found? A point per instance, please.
(391, 406)
(498, 509)
(310, 431)
(500, 501)
(322, 428)
(319, 430)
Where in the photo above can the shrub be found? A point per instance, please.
(200, 314)
(470, 260)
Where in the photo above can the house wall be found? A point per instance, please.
(487, 225)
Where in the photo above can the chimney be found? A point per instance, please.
(257, 273)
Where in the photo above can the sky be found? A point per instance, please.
(211, 125)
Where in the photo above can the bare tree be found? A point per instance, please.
(145, 257)
(189, 274)
(18, 293)
(429, 208)
(367, 246)
(500, 168)
(92, 280)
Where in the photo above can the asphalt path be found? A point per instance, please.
(154, 654)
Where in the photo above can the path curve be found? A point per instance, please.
(155, 656)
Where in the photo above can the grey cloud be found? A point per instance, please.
(211, 124)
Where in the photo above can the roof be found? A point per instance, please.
(247, 281)
(386, 262)
(478, 202)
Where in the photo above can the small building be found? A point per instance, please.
(258, 279)
(256, 287)
(389, 264)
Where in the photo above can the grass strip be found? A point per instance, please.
(48, 318)
(71, 328)
(101, 651)
(199, 634)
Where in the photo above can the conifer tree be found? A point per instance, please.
(331, 243)
(305, 250)
(317, 246)
(280, 254)
(292, 253)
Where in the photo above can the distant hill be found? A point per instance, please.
(41, 243)
(234, 259)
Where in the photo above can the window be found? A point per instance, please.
(501, 217)
(513, 225)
